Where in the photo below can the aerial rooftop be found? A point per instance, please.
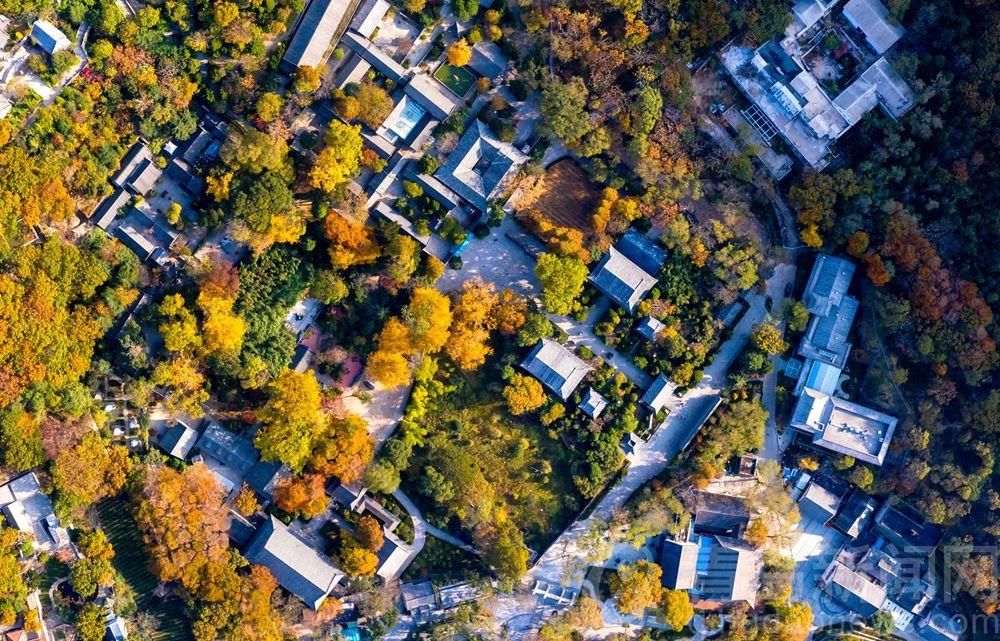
(555, 367)
(622, 280)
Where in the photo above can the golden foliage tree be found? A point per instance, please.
(344, 450)
(90, 471)
(303, 495)
(636, 586)
(292, 419)
(472, 320)
(351, 243)
(523, 394)
(182, 517)
(459, 53)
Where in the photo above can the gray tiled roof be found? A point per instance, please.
(593, 403)
(649, 328)
(106, 212)
(728, 570)
(828, 283)
(227, 448)
(855, 512)
(319, 24)
(479, 165)
(488, 60)
(678, 559)
(296, 566)
(373, 55)
(49, 37)
(427, 91)
(178, 440)
(658, 392)
(854, 590)
(642, 251)
(871, 17)
(621, 280)
(818, 502)
(555, 367)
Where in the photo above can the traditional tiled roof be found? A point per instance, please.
(228, 448)
(853, 589)
(178, 440)
(658, 393)
(374, 56)
(622, 280)
(479, 165)
(318, 25)
(295, 565)
(679, 559)
(819, 502)
(555, 367)
(642, 251)
(49, 37)
(593, 403)
(649, 328)
(488, 60)
(872, 18)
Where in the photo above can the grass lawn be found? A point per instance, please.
(130, 560)
(458, 80)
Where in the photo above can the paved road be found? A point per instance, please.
(564, 562)
(422, 528)
(582, 334)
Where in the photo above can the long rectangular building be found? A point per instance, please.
(321, 22)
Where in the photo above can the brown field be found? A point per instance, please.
(565, 196)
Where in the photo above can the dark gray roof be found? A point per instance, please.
(555, 367)
(418, 595)
(593, 403)
(227, 448)
(855, 512)
(136, 157)
(727, 569)
(144, 177)
(642, 251)
(108, 209)
(853, 590)
(723, 523)
(658, 392)
(872, 18)
(942, 623)
(679, 559)
(828, 283)
(178, 440)
(488, 60)
(393, 557)
(49, 37)
(263, 476)
(156, 226)
(621, 280)
(479, 165)
(132, 238)
(904, 526)
(818, 502)
(649, 328)
(296, 566)
(319, 24)
(374, 56)
(349, 495)
(428, 92)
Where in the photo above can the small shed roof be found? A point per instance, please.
(593, 403)
(658, 392)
